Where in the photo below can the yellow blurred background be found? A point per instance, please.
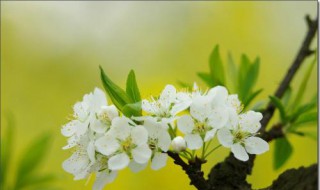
(50, 53)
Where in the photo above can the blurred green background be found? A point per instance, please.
(50, 53)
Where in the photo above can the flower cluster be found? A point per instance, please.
(105, 141)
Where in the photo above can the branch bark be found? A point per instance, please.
(232, 173)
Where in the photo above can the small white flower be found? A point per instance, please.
(207, 114)
(103, 178)
(122, 142)
(241, 137)
(164, 108)
(159, 141)
(184, 99)
(178, 144)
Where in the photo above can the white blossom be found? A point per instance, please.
(123, 142)
(241, 136)
(208, 113)
(178, 144)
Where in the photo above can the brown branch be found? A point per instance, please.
(232, 173)
(303, 53)
(192, 169)
(297, 179)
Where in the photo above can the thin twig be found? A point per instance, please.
(303, 53)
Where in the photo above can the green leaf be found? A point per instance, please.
(118, 96)
(302, 110)
(243, 72)
(305, 119)
(251, 77)
(6, 150)
(133, 109)
(132, 87)
(233, 75)
(304, 83)
(282, 152)
(259, 105)
(311, 134)
(251, 97)
(277, 102)
(286, 97)
(216, 67)
(184, 84)
(207, 79)
(33, 156)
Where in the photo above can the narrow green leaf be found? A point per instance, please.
(207, 79)
(216, 66)
(251, 77)
(259, 105)
(184, 84)
(277, 102)
(304, 83)
(251, 97)
(133, 109)
(118, 96)
(233, 75)
(243, 72)
(311, 134)
(282, 152)
(305, 120)
(302, 110)
(286, 97)
(33, 156)
(132, 87)
(6, 150)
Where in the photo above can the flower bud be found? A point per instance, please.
(178, 144)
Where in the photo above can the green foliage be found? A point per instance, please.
(240, 80)
(278, 103)
(132, 87)
(27, 173)
(282, 152)
(129, 101)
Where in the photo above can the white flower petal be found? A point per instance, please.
(98, 127)
(98, 100)
(201, 107)
(250, 121)
(70, 128)
(141, 154)
(148, 107)
(164, 140)
(136, 167)
(81, 111)
(75, 163)
(103, 178)
(111, 111)
(120, 127)
(256, 145)
(159, 161)
(91, 151)
(225, 137)
(219, 95)
(194, 141)
(185, 124)
(168, 96)
(72, 141)
(139, 135)
(210, 134)
(118, 161)
(107, 145)
(218, 117)
(239, 152)
(183, 101)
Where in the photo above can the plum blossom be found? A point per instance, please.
(124, 141)
(208, 113)
(241, 137)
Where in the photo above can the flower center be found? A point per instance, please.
(127, 145)
(153, 143)
(103, 116)
(239, 136)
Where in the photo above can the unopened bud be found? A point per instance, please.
(178, 144)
